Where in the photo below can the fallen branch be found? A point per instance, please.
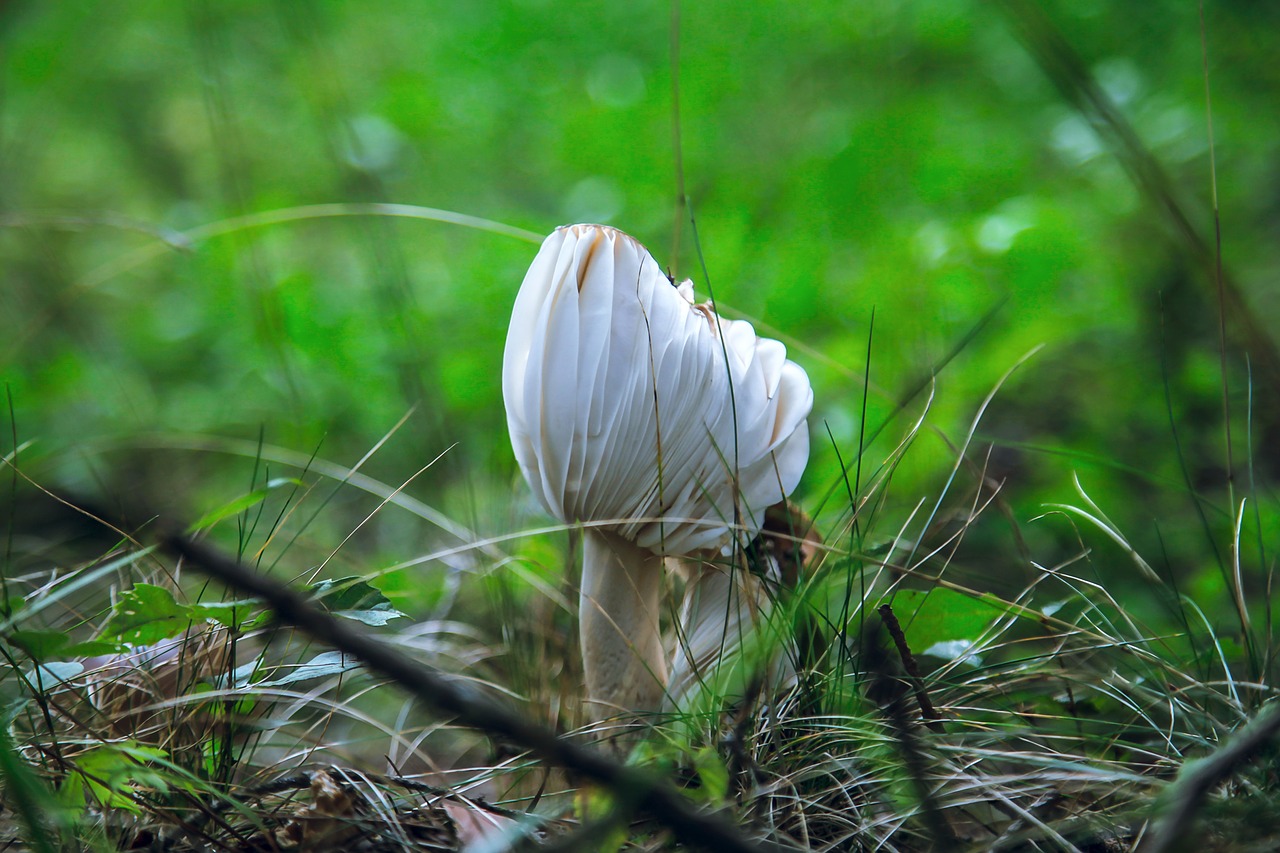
(470, 707)
(1182, 801)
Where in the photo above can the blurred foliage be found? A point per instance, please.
(909, 159)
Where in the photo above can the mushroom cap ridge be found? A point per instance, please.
(617, 390)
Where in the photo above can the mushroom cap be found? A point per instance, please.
(617, 389)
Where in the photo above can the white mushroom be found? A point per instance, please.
(662, 428)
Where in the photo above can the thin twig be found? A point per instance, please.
(887, 691)
(932, 718)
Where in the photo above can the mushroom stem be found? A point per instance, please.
(722, 606)
(622, 655)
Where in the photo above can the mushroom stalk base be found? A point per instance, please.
(622, 654)
(720, 607)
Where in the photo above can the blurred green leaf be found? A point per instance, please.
(40, 645)
(49, 675)
(713, 773)
(241, 503)
(93, 648)
(114, 774)
(27, 795)
(229, 614)
(930, 617)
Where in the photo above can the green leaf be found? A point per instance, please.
(941, 615)
(321, 666)
(373, 618)
(73, 583)
(40, 645)
(147, 614)
(243, 674)
(143, 615)
(229, 614)
(72, 794)
(713, 774)
(355, 599)
(241, 503)
(349, 593)
(113, 773)
(92, 648)
(27, 796)
(51, 674)
(961, 650)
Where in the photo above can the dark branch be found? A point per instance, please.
(470, 707)
(1198, 778)
(930, 714)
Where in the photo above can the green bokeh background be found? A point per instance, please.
(909, 159)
